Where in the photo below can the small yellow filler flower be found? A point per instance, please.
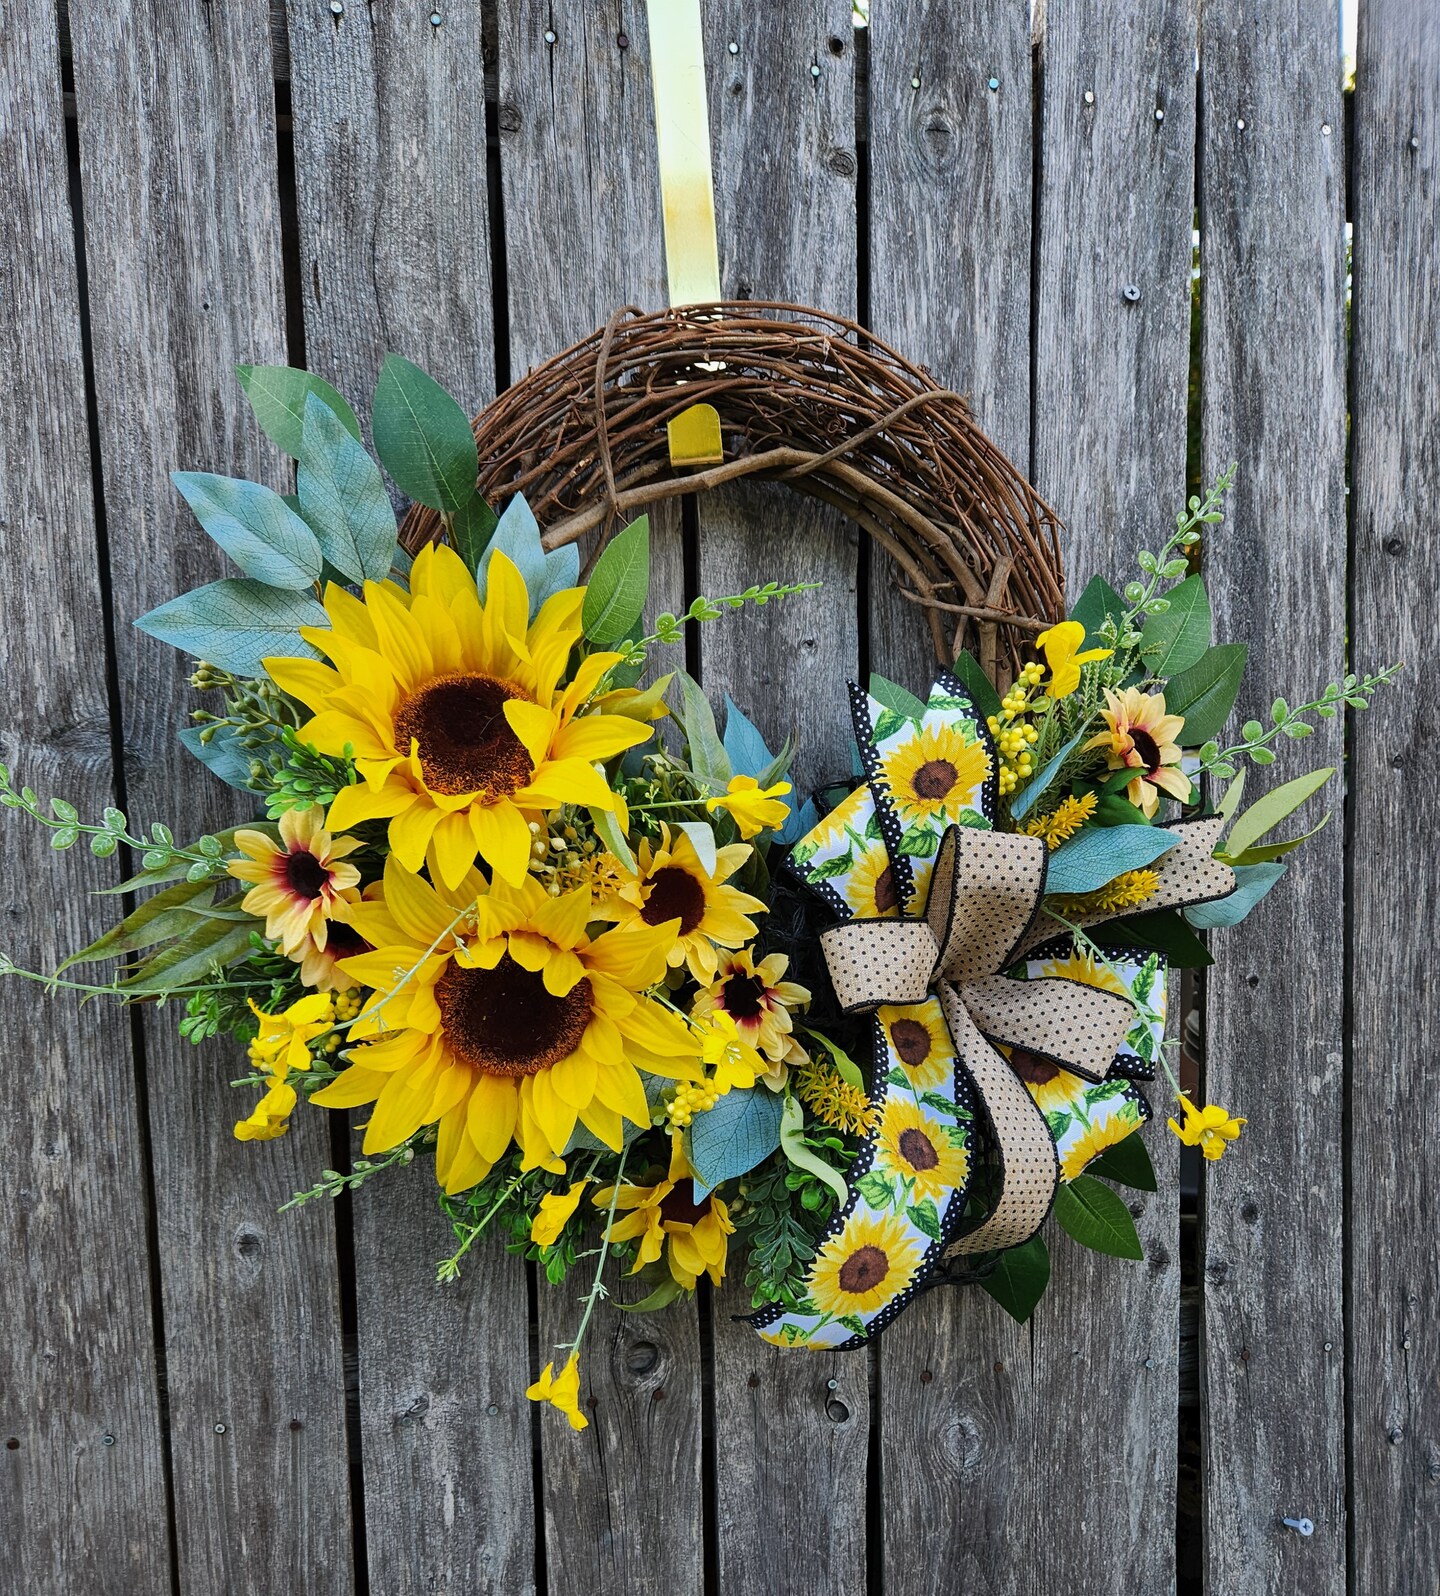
(1064, 656)
(1211, 1128)
(282, 1045)
(561, 1390)
(554, 1213)
(752, 807)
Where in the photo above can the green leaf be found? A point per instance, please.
(887, 723)
(254, 526)
(160, 873)
(237, 623)
(277, 395)
(801, 1155)
(1266, 813)
(666, 1290)
(423, 437)
(982, 689)
(895, 697)
(1205, 694)
(1127, 1163)
(1175, 641)
(1266, 853)
(918, 842)
(190, 961)
(1099, 854)
(1252, 882)
(1019, 1278)
(619, 585)
(728, 1140)
(1095, 1216)
(1230, 802)
(1023, 801)
(473, 527)
(342, 496)
(708, 758)
(875, 1191)
(607, 828)
(1095, 604)
(1164, 932)
(926, 1218)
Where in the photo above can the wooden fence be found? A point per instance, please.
(200, 1395)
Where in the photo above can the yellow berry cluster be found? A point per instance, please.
(1014, 736)
(690, 1101)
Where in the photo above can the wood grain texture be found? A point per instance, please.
(1108, 451)
(177, 144)
(624, 1509)
(782, 135)
(84, 1488)
(1394, 1278)
(950, 197)
(1273, 361)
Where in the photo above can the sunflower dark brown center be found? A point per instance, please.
(1030, 1067)
(1147, 748)
(466, 744)
(742, 996)
(674, 895)
(863, 1270)
(934, 779)
(344, 941)
(886, 897)
(679, 1205)
(305, 875)
(917, 1149)
(504, 1022)
(911, 1041)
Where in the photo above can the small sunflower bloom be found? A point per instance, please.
(1211, 1128)
(752, 807)
(755, 995)
(299, 885)
(1064, 655)
(561, 1391)
(666, 1218)
(1142, 737)
(555, 1211)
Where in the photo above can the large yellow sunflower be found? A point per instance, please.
(666, 1217)
(868, 1264)
(870, 888)
(921, 1041)
(916, 1146)
(935, 772)
(454, 712)
(496, 1015)
(670, 883)
(1096, 1138)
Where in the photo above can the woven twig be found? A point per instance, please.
(804, 398)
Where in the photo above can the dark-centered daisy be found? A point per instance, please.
(299, 884)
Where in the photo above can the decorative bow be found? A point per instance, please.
(941, 984)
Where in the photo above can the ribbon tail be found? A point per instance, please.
(1029, 1168)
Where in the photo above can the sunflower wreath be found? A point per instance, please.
(517, 898)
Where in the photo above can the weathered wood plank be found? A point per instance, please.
(390, 177)
(177, 143)
(1108, 448)
(623, 1502)
(1394, 1279)
(782, 133)
(84, 1488)
(1273, 373)
(950, 197)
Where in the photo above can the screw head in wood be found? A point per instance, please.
(1131, 293)
(1302, 1526)
(832, 1385)
(814, 70)
(993, 85)
(337, 8)
(1325, 129)
(1089, 96)
(492, 1410)
(1159, 114)
(549, 36)
(733, 47)
(914, 83)
(107, 1440)
(1240, 123)
(219, 1429)
(436, 19)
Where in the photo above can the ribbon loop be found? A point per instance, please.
(984, 893)
(1077, 1027)
(878, 961)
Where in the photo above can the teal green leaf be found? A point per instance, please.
(1099, 854)
(1019, 1278)
(1095, 1216)
(1252, 882)
(221, 754)
(277, 395)
(254, 526)
(1175, 641)
(236, 623)
(517, 537)
(619, 585)
(423, 437)
(343, 499)
(1024, 800)
(1205, 693)
(740, 1131)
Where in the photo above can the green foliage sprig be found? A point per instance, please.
(670, 629)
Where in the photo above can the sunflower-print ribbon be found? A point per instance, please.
(938, 941)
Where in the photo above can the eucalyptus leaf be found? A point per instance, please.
(277, 395)
(237, 623)
(221, 754)
(343, 499)
(619, 585)
(1252, 882)
(1176, 639)
(801, 820)
(1095, 1216)
(254, 526)
(1205, 693)
(1019, 1278)
(423, 437)
(746, 748)
(741, 1131)
(1099, 854)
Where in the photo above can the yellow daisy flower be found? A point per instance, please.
(666, 1218)
(758, 999)
(455, 713)
(868, 1264)
(935, 772)
(870, 888)
(300, 883)
(561, 1390)
(495, 1014)
(1097, 1138)
(670, 883)
(921, 1041)
(1142, 737)
(752, 807)
(1211, 1128)
(914, 1144)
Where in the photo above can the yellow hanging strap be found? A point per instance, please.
(687, 195)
